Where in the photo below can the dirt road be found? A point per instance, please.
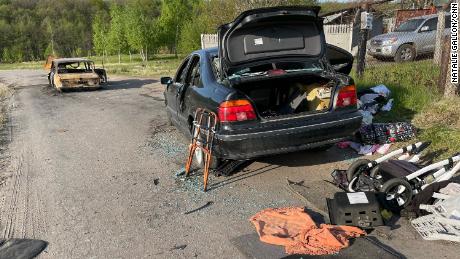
(93, 173)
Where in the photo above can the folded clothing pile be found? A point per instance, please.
(294, 229)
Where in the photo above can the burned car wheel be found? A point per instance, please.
(405, 53)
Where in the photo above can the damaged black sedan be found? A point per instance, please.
(275, 84)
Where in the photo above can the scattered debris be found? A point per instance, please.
(21, 248)
(209, 203)
(373, 100)
(180, 172)
(294, 229)
(178, 247)
(383, 133)
(359, 209)
(443, 223)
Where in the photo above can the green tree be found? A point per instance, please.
(173, 15)
(141, 26)
(116, 35)
(100, 29)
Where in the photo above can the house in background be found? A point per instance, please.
(341, 28)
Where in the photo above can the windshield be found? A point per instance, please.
(410, 25)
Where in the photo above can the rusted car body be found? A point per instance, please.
(74, 73)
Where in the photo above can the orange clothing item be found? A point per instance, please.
(294, 229)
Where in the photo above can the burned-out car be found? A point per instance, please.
(275, 84)
(73, 73)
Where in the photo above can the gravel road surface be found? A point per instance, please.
(94, 174)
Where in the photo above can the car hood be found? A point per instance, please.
(268, 34)
(390, 35)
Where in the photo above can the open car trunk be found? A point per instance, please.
(268, 34)
(280, 96)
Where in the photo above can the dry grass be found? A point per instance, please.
(5, 93)
(445, 112)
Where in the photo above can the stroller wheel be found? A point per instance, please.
(397, 194)
(378, 180)
(352, 173)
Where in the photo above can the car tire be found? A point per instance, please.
(397, 194)
(405, 52)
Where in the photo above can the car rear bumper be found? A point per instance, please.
(290, 139)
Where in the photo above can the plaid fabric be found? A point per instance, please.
(382, 133)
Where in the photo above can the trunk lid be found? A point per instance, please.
(270, 34)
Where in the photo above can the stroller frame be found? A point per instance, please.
(365, 167)
(398, 191)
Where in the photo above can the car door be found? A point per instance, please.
(173, 90)
(185, 98)
(427, 35)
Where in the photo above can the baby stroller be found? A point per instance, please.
(399, 180)
(358, 174)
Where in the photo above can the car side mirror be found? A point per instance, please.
(424, 28)
(166, 80)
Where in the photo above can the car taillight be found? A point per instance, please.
(346, 97)
(236, 110)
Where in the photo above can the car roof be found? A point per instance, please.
(428, 16)
(71, 60)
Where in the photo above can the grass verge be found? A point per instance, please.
(417, 99)
(5, 93)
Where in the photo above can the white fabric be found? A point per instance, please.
(387, 107)
(381, 89)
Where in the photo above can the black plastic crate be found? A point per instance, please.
(360, 209)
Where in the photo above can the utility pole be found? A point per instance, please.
(439, 36)
(363, 35)
(450, 89)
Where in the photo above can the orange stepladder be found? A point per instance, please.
(203, 131)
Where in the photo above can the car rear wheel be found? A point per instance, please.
(406, 52)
